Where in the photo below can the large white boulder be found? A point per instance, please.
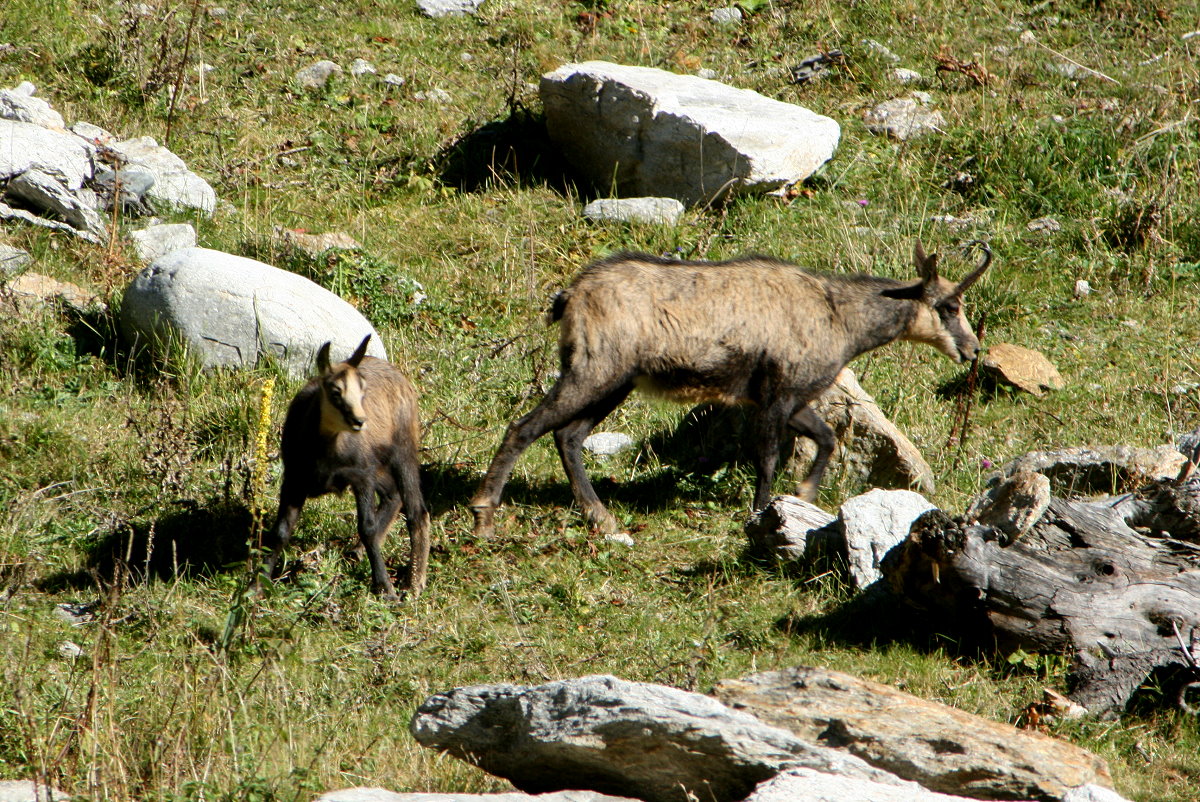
(19, 103)
(228, 310)
(639, 131)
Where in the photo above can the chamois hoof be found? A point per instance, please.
(485, 521)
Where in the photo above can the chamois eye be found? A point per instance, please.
(952, 307)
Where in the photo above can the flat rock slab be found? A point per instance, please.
(317, 244)
(1014, 504)
(605, 444)
(942, 748)
(806, 785)
(381, 795)
(33, 289)
(652, 211)
(20, 104)
(228, 310)
(13, 260)
(624, 738)
(639, 131)
(1022, 368)
(1100, 470)
(155, 241)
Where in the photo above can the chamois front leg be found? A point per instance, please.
(291, 502)
(769, 431)
(371, 533)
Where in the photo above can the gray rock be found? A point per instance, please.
(730, 15)
(903, 118)
(806, 785)
(69, 650)
(1187, 444)
(605, 444)
(380, 795)
(20, 104)
(870, 447)
(13, 260)
(1092, 793)
(448, 8)
(228, 310)
(873, 524)
(638, 131)
(623, 538)
(76, 613)
(903, 75)
(1013, 505)
(125, 186)
(1048, 225)
(392, 79)
(784, 528)
(1082, 289)
(881, 51)
(1103, 470)
(439, 96)
(174, 184)
(47, 193)
(29, 791)
(941, 747)
(664, 211)
(360, 67)
(159, 240)
(25, 146)
(316, 244)
(9, 213)
(625, 738)
(29, 290)
(316, 76)
(93, 134)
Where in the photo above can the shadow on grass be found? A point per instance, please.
(195, 541)
(515, 151)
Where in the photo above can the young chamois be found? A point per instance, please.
(753, 330)
(356, 425)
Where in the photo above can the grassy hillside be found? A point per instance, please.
(134, 486)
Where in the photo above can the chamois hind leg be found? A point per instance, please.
(806, 422)
(565, 401)
(406, 469)
(569, 440)
(371, 533)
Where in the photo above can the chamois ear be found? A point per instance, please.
(359, 352)
(323, 358)
(926, 265)
(910, 292)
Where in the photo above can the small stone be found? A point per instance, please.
(360, 67)
(159, 240)
(731, 15)
(662, 211)
(316, 76)
(880, 51)
(76, 613)
(1046, 224)
(92, 133)
(622, 538)
(1082, 288)
(606, 444)
(873, 524)
(706, 74)
(32, 289)
(1014, 504)
(69, 650)
(924, 98)
(448, 8)
(216, 12)
(438, 96)
(317, 244)
(903, 75)
(392, 79)
(465, 58)
(29, 791)
(13, 260)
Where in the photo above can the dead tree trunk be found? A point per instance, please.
(1114, 583)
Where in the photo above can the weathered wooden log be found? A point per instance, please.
(1114, 583)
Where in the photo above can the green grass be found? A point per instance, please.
(132, 484)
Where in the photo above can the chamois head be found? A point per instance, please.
(940, 321)
(342, 391)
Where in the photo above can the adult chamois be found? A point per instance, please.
(753, 330)
(356, 425)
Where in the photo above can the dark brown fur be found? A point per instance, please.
(356, 426)
(754, 330)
